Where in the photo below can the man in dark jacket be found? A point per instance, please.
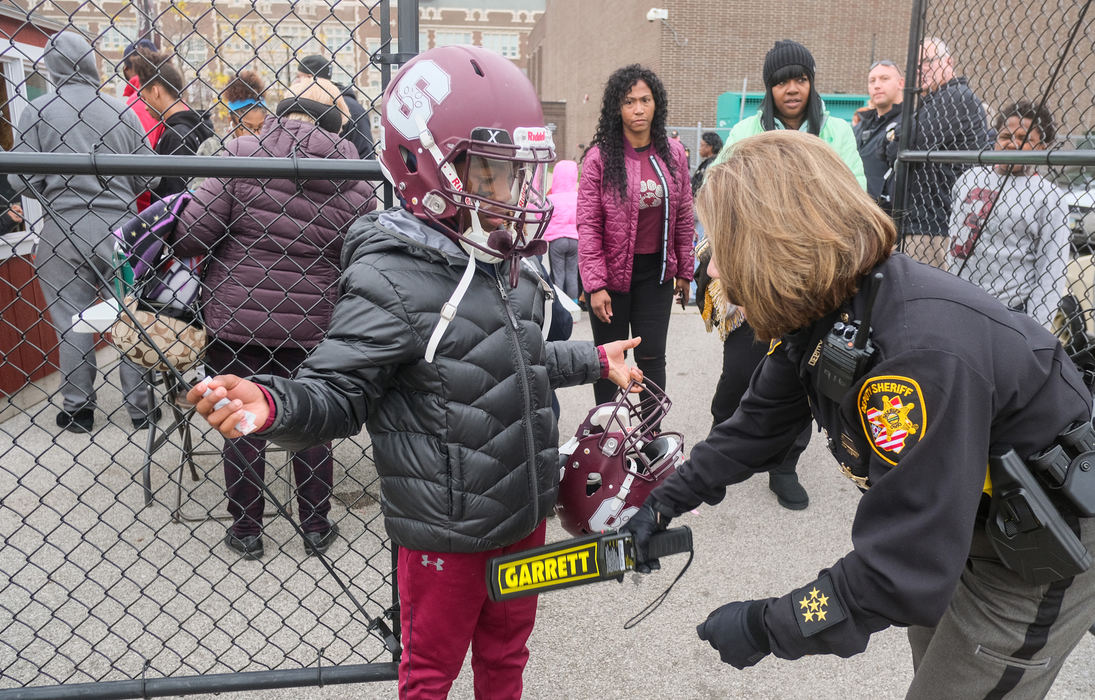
(356, 129)
(879, 126)
(950, 118)
(437, 346)
(162, 90)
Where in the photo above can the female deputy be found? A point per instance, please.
(951, 376)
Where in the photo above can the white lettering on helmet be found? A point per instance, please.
(534, 142)
(420, 88)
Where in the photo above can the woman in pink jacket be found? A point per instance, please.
(635, 221)
(562, 231)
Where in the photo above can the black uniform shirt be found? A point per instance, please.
(872, 135)
(954, 372)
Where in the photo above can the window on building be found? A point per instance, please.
(194, 51)
(337, 40)
(507, 44)
(450, 38)
(120, 35)
(295, 37)
(423, 40)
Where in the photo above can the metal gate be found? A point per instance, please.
(117, 579)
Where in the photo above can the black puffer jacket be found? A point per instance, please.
(949, 119)
(465, 446)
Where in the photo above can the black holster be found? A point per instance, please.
(1028, 531)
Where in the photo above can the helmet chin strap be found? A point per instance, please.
(476, 234)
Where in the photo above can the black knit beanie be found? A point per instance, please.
(787, 53)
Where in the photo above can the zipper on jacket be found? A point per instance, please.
(526, 395)
(665, 218)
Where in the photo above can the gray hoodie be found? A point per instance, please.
(77, 119)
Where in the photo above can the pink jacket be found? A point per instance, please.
(607, 226)
(153, 127)
(564, 197)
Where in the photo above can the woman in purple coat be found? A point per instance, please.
(635, 221)
(270, 285)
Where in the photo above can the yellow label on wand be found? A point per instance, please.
(548, 570)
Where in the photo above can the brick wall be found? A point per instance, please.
(583, 42)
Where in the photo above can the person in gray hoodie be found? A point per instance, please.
(80, 211)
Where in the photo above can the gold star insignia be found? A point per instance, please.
(813, 605)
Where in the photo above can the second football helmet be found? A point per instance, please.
(615, 460)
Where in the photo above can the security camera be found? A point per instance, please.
(656, 13)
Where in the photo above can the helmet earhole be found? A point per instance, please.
(409, 159)
(593, 484)
(478, 70)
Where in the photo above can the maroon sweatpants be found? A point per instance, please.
(444, 608)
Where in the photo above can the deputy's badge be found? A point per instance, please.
(891, 132)
(892, 411)
(817, 606)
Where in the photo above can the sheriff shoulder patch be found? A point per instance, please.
(893, 414)
(817, 606)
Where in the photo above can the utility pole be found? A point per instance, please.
(147, 26)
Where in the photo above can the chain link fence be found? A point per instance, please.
(996, 182)
(115, 503)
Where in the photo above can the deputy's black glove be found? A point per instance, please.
(736, 631)
(642, 525)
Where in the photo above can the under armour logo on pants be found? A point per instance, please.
(426, 562)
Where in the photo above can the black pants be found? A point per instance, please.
(245, 457)
(741, 354)
(644, 312)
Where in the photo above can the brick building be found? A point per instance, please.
(703, 49)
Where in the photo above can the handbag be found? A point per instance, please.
(160, 291)
(167, 343)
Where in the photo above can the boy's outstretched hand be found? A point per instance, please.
(232, 405)
(619, 371)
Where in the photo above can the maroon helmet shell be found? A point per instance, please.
(615, 460)
(457, 101)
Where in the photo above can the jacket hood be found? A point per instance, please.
(70, 59)
(398, 229)
(564, 177)
(190, 119)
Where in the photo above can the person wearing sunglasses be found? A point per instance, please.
(949, 117)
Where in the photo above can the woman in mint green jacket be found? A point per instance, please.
(790, 102)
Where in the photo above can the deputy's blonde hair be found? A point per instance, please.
(792, 232)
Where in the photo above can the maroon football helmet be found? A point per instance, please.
(615, 460)
(460, 114)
